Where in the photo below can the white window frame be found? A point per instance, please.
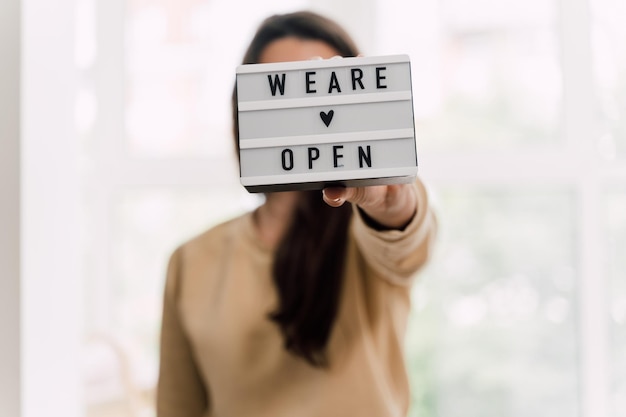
(575, 164)
(10, 377)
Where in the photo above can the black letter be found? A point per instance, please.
(355, 78)
(309, 82)
(312, 156)
(334, 83)
(337, 155)
(363, 156)
(380, 77)
(277, 82)
(290, 153)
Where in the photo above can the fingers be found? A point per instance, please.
(335, 196)
(317, 57)
(391, 206)
(362, 196)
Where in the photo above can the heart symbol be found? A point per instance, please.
(327, 117)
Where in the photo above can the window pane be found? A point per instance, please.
(181, 58)
(485, 74)
(609, 53)
(617, 282)
(493, 332)
(146, 226)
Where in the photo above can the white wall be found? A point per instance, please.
(39, 285)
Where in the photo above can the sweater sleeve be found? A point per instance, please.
(180, 389)
(396, 255)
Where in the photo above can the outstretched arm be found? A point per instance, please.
(394, 227)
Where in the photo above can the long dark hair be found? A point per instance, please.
(309, 261)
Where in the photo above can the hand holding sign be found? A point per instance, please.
(310, 124)
(391, 206)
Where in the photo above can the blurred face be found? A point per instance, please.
(295, 49)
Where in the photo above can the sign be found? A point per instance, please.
(310, 124)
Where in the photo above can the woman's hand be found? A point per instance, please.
(391, 206)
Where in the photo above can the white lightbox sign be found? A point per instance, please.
(310, 124)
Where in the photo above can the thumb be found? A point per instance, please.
(337, 196)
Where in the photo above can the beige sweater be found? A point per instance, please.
(222, 357)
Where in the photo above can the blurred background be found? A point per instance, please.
(520, 114)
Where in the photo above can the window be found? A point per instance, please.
(521, 136)
(494, 331)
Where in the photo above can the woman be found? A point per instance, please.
(298, 308)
